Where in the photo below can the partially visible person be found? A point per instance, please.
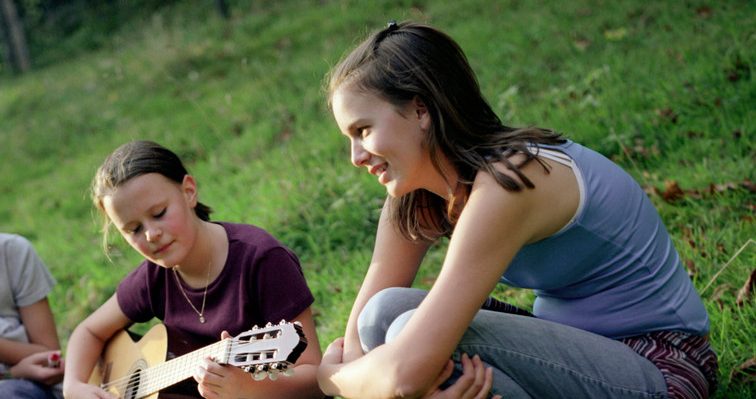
(29, 347)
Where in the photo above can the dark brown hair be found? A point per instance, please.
(134, 159)
(410, 60)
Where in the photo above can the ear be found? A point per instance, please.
(421, 112)
(189, 189)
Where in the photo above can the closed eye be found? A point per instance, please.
(160, 214)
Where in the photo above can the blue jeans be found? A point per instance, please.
(26, 389)
(530, 357)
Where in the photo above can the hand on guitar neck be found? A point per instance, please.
(133, 370)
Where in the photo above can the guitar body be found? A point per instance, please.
(123, 358)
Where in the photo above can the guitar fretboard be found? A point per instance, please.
(163, 375)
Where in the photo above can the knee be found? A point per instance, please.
(381, 311)
(387, 304)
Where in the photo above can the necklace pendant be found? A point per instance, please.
(202, 319)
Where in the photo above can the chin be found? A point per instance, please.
(396, 191)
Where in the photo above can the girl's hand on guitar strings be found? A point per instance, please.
(81, 390)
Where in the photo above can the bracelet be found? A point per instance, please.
(7, 375)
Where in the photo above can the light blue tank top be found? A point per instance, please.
(613, 269)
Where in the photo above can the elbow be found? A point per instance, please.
(409, 383)
(408, 389)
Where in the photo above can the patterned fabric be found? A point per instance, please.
(498, 306)
(687, 362)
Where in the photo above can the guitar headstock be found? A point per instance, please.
(267, 351)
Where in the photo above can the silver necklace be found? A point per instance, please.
(201, 312)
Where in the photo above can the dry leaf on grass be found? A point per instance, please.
(744, 293)
(744, 373)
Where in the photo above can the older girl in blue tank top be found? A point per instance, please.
(615, 314)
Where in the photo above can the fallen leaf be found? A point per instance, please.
(719, 188)
(672, 191)
(615, 34)
(692, 269)
(744, 293)
(667, 114)
(721, 248)
(704, 11)
(694, 134)
(744, 373)
(749, 185)
(581, 44)
(717, 295)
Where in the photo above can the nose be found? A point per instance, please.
(359, 155)
(153, 233)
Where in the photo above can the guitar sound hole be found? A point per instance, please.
(132, 388)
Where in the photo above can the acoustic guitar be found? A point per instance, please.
(134, 370)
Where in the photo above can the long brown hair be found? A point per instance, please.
(134, 159)
(409, 60)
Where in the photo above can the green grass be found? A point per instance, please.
(664, 88)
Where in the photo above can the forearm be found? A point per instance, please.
(84, 348)
(11, 352)
(352, 344)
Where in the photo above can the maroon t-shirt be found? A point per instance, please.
(261, 282)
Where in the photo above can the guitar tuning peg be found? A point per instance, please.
(259, 376)
(288, 372)
(282, 322)
(255, 327)
(266, 336)
(273, 375)
(298, 323)
(269, 324)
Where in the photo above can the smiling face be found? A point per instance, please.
(156, 216)
(388, 142)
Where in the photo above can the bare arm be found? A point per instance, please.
(493, 226)
(39, 323)
(216, 381)
(394, 264)
(85, 346)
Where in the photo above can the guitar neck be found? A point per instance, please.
(178, 369)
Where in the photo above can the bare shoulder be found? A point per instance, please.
(551, 203)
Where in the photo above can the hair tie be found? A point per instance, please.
(391, 26)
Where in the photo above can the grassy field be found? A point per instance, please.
(666, 89)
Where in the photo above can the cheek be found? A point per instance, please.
(137, 243)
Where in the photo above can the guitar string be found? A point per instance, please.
(127, 381)
(124, 383)
(151, 386)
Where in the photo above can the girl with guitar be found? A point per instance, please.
(204, 280)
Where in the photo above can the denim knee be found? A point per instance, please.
(381, 311)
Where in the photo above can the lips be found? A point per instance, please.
(378, 169)
(163, 248)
